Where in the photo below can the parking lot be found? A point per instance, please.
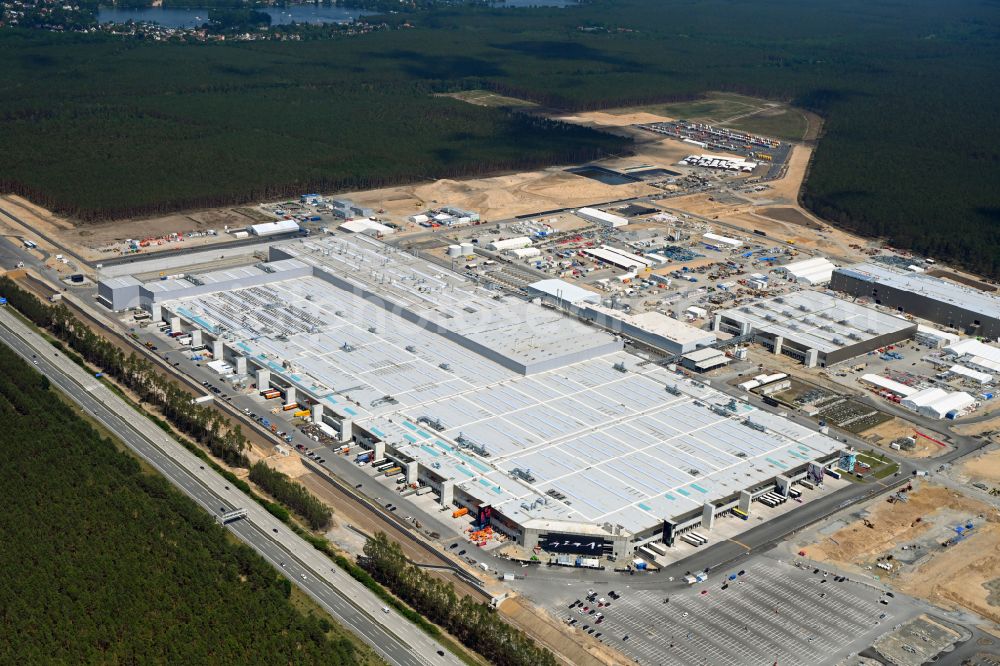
(773, 612)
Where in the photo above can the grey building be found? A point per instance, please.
(814, 327)
(119, 293)
(973, 311)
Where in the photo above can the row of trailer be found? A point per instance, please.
(772, 499)
(694, 539)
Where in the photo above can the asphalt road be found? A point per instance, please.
(394, 638)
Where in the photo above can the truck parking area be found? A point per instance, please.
(773, 612)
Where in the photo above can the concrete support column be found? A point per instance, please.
(290, 395)
(745, 328)
(778, 342)
(812, 357)
(745, 500)
(412, 469)
(317, 413)
(716, 322)
(708, 515)
(447, 493)
(156, 310)
(241, 365)
(783, 484)
(218, 350)
(263, 380)
(346, 430)
(379, 451)
(196, 338)
(175, 324)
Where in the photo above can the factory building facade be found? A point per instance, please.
(972, 311)
(815, 328)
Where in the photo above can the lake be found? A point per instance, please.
(192, 18)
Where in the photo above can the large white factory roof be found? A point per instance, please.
(816, 320)
(937, 289)
(604, 438)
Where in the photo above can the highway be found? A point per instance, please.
(393, 637)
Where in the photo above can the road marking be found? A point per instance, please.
(740, 543)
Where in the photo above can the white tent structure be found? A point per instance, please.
(815, 271)
(922, 399)
(953, 402)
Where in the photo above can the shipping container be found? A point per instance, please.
(458, 513)
(393, 470)
(290, 406)
(302, 412)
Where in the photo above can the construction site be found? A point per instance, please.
(930, 541)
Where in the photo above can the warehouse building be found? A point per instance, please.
(602, 218)
(934, 338)
(716, 240)
(540, 425)
(975, 354)
(652, 328)
(815, 328)
(703, 360)
(365, 225)
(274, 228)
(505, 244)
(957, 306)
(560, 291)
(622, 259)
(119, 293)
(880, 383)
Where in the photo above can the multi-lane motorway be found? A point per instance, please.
(394, 638)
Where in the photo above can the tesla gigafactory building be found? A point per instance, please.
(538, 423)
(972, 311)
(814, 327)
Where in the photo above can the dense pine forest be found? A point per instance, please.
(101, 129)
(105, 563)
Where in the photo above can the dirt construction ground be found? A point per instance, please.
(984, 468)
(884, 433)
(961, 575)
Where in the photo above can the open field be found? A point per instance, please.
(884, 433)
(487, 98)
(984, 467)
(731, 110)
(791, 216)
